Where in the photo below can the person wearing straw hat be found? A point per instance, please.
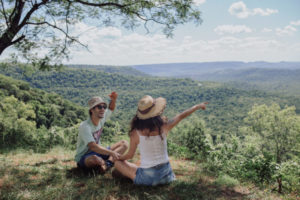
(149, 131)
(90, 154)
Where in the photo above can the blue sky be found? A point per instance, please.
(248, 30)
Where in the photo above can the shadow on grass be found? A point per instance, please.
(74, 183)
(76, 172)
(48, 162)
(178, 190)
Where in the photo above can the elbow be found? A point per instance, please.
(130, 156)
(127, 157)
(92, 146)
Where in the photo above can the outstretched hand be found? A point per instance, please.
(203, 105)
(113, 96)
(115, 155)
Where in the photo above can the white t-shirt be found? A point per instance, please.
(88, 132)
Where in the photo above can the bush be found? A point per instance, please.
(260, 169)
(177, 150)
(289, 173)
(226, 180)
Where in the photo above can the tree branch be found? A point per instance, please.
(58, 28)
(101, 4)
(18, 39)
(4, 13)
(32, 10)
(67, 26)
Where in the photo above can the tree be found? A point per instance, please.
(32, 24)
(278, 132)
(17, 125)
(278, 129)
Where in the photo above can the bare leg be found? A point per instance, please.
(126, 169)
(94, 161)
(119, 147)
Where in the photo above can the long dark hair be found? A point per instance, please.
(152, 124)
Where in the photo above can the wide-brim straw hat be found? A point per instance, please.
(149, 107)
(95, 101)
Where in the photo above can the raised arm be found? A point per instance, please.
(113, 98)
(173, 122)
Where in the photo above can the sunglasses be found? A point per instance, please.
(101, 106)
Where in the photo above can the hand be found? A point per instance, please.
(113, 96)
(203, 105)
(115, 155)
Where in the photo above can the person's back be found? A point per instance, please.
(153, 149)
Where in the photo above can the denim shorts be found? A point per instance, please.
(82, 159)
(159, 174)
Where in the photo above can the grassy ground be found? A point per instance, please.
(27, 175)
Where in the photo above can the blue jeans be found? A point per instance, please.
(159, 174)
(82, 159)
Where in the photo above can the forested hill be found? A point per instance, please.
(50, 109)
(111, 69)
(281, 77)
(283, 81)
(225, 113)
(28, 116)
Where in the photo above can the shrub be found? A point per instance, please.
(289, 173)
(226, 180)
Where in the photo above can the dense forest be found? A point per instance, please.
(281, 77)
(248, 135)
(34, 119)
(228, 106)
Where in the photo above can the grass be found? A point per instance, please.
(53, 175)
(225, 180)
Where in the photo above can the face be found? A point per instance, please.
(99, 110)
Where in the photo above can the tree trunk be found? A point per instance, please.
(5, 41)
(13, 26)
(279, 181)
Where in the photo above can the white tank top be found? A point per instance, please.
(153, 150)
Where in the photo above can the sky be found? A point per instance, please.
(248, 30)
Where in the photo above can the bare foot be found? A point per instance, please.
(102, 167)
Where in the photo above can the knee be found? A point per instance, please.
(124, 144)
(95, 160)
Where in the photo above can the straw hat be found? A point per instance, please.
(95, 101)
(149, 107)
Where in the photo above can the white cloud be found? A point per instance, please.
(266, 30)
(114, 47)
(232, 29)
(131, 49)
(240, 10)
(267, 12)
(287, 30)
(199, 2)
(89, 33)
(295, 23)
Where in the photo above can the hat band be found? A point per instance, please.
(148, 109)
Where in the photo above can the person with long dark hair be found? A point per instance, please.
(149, 130)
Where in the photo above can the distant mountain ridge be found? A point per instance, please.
(282, 77)
(185, 69)
(110, 69)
